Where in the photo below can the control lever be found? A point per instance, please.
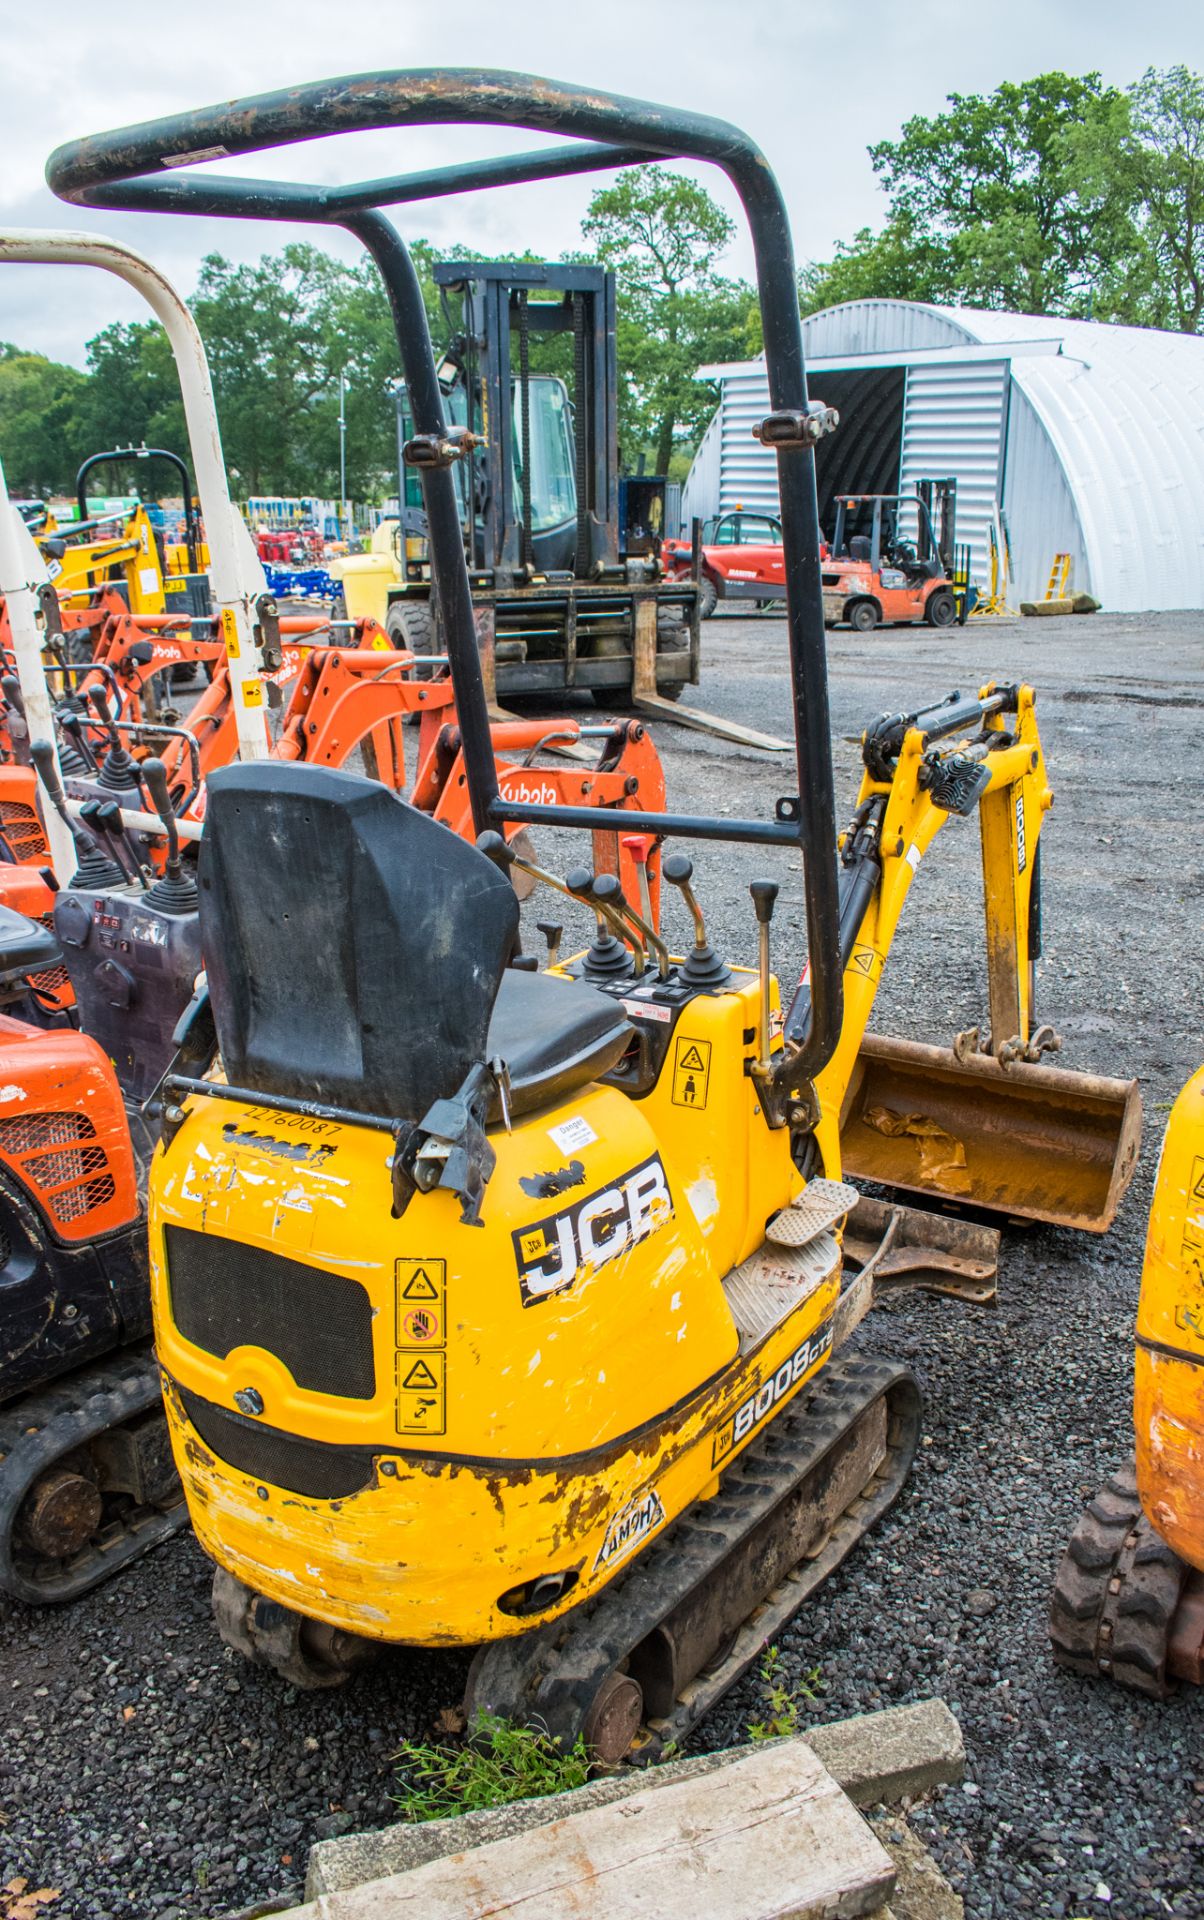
(764, 894)
(641, 925)
(703, 966)
(108, 817)
(119, 772)
(96, 869)
(174, 891)
(71, 723)
(639, 846)
(608, 955)
(18, 726)
(105, 832)
(605, 892)
(497, 848)
(553, 935)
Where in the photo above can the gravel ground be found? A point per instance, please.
(144, 1772)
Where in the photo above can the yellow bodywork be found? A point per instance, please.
(368, 577)
(1168, 1402)
(130, 556)
(547, 1396)
(526, 1431)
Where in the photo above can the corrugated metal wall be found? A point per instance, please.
(748, 473)
(1042, 518)
(954, 422)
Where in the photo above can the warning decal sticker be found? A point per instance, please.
(421, 1290)
(691, 1072)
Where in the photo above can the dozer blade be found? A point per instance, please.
(1027, 1142)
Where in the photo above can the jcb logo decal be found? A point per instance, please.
(751, 1412)
(551, 1253)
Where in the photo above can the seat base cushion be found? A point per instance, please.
(554, 1036)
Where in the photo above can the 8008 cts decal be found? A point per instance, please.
(752, 1411)
(551, 1253)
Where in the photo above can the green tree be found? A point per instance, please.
(990, 205)
(133, 395)
(662, 234)
(1147, 157)
(39, 441)
(897, 264)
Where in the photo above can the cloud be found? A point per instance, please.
(813, 84)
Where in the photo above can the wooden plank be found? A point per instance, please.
(771, 1837)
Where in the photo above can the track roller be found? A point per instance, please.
(87, 1481)
(305, 1653)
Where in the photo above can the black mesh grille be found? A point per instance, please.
(226, 1295)
(308, 1467)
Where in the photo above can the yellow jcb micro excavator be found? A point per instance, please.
(1128, 1601)
(507, 1309)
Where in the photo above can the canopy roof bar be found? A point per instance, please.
(136, 167)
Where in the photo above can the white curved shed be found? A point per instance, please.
(1069, 436)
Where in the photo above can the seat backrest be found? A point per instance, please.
(353, 945)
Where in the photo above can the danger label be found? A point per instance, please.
(421, 1293)
(691, 1072)
(866, 961)
(422, 1393)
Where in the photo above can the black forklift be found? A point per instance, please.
(562, 598)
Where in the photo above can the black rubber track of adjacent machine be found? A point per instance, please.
(43, 1428)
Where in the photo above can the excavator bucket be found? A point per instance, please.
(1027, 1142)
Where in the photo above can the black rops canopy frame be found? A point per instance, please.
(137, 168)
(117, 454)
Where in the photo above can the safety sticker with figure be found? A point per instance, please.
(691, 1072)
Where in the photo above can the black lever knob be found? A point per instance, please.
(764, 894)
(494, 847)
(580, 880)
(678, 869)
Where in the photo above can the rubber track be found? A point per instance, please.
(1116, 1592)
(42, 1427)
(549, 1678)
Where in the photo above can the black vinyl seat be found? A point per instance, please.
(25, 945)
(554, 1035)
(356, 953)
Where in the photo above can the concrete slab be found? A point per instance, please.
(902, 1751)
(771, 1836)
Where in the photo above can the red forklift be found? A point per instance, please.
(890, 560)
(741, 560)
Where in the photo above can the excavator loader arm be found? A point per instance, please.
(982, 1123)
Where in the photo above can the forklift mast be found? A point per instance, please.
(519, 528)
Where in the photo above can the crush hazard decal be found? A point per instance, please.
(751, 1412)
(553, 1252)
(629, 1527)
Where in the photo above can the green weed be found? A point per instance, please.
(784, 1702)
(497, 1763)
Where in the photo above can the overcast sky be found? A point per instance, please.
(813, 83)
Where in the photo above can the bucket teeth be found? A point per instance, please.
(820, 1205)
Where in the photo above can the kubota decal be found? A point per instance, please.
(551, 1253)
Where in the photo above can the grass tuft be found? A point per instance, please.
(497, 1763)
